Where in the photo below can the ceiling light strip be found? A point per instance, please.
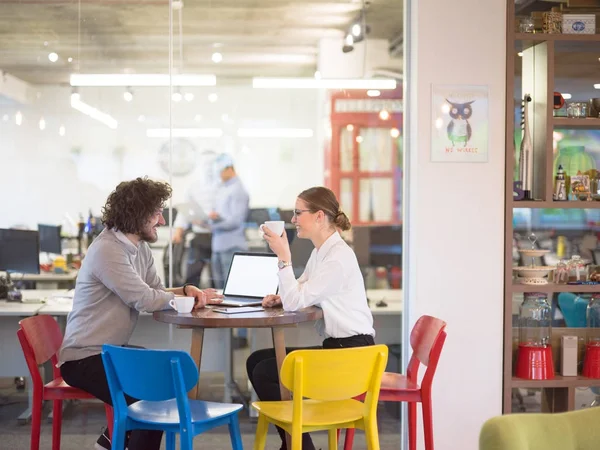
(94, 113)
(313, 83)
(275, 132)
(149, 79)
(184, 132)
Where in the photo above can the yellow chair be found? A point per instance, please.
(323, 384)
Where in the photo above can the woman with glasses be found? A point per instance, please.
(332, 281)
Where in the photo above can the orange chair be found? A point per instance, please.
(41, 338)
(426, 340)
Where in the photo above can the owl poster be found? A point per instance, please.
(459, 129)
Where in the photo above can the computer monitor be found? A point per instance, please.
(19, 251)
(385, 245)
(50, 238)
(286, 215)
(167, 213)
(258, 216)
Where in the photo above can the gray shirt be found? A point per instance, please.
(231, 203)
(116, 281)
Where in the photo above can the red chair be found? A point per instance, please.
(426, 340)
(41, 338)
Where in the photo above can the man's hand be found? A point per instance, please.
(213, 215)
(271, 300)
(178, 235)
(203, 298)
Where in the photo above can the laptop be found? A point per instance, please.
(251, 277)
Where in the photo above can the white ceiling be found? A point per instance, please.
(256, 37)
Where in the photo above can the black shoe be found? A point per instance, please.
(103, 442)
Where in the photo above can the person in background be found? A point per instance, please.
(200, 198)
(227, 220)
(332, 281)
(116, 281)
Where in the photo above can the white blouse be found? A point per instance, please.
(332, 281)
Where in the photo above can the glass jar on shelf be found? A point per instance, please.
(591, 363)
(561, 272)
(577, 269)
(534, 358)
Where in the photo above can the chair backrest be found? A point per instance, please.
(153, 375)
(40, 339)
(335, 375)
(573, 309)
(426, 340)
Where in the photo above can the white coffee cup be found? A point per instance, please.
(276, 226)
(182, 305)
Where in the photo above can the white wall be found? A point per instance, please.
(45, 175)
(455, 216)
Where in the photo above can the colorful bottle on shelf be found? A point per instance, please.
(526, 156)
(560, 186)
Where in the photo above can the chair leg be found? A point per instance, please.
(118, 437)
(332, 434)
(296, 437)
(36, 420)
(170, 440)
(56, 423)
(109, 418)
(427, 422)
(372, 434)
(234, 432)
(412, 426)
(349, 440)
(186, 441)
(262, 427)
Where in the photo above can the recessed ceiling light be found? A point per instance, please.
(384, 114)
(213, 97)
(217, 57)
(317, 75)
(18, 118)
(394, 132)
(53, 57)
(42, 124)
(45, 43)
(188, 96)
(141, 118)
(356, 29)
(520, 54)
(70, 59)
(128, 95)
(61, 130)
(177, 96)
(349, 127)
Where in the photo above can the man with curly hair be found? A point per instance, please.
(116, 281)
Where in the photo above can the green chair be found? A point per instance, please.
(575, 430)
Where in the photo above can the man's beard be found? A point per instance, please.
(150, 237)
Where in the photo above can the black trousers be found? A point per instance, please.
(199, 255)
(261, 367)
(88, 374)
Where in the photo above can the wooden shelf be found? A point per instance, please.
(557, 37)
(576, 288)
(575, 204)
(568, 122)
(558, 382)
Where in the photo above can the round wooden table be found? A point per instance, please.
(275, 318)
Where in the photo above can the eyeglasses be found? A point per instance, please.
(297, 212)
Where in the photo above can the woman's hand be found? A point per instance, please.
(203, 297)
(271, 300)
(279, 244)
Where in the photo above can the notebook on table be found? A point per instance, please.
(251, 277)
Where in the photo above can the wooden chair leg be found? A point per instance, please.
(332, 439)
(412, 426)
(36, 420)
(349, 440)
(260, 440)
(427, 423)
(56, 423)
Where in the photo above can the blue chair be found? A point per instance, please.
(161, 380)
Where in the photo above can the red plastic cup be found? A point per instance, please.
(535, 363)
(591, 362)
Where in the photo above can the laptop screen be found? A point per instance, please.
(252, 275)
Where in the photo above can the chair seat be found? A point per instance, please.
(58, 389)
(166, 412)
(314, 412)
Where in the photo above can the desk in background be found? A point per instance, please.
(49, 280)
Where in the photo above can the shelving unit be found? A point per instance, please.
(538, 58)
